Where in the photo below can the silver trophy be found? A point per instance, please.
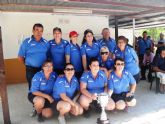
(103, 99)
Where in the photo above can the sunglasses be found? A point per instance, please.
(120, 64)
(102, 53)
(69, 69)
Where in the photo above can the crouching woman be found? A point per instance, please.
(66, 92)
(41, 91)
(122, 86)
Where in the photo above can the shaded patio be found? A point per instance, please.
(150, 108)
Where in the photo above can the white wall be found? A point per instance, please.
(17, 26)
(124, 32)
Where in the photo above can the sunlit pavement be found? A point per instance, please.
(150, 108)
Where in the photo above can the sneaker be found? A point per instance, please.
(61, 120)
(33, 113)
(86, 113)
(40, 118)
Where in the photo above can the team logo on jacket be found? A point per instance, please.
(32, 44)
(90, 80)
(43, 83)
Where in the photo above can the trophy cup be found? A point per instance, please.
(103, 101)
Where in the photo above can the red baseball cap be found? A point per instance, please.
(72, 33)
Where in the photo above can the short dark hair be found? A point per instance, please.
(93, 59)
(57, 29)
(147, 49)
(162, 49)
(144, 32)
(38, 25)
(122, 38)
(47, 61)
(67, 65)
(105, 29)
(118, 59)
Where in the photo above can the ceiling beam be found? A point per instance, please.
(116, 4)
(143, 25)
(143, 20)
(144, 17)
(64, 7)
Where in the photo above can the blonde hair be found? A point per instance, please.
(104, 48)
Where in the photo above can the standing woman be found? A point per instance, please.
(129, 55)
(73, 54)
(57, 50)
(89, 48)
(42, 89)
(122, 86)
(93, 82)
(66, 92)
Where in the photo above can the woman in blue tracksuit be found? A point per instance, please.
(57, 50)
(129, 55)
(93, 82)
(121, 86)
(89, 49)
(42, 89)
(73, 54)
(66, 93)
(105, 61)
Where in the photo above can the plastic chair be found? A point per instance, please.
(157, 80)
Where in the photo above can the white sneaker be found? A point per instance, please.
(33, 113)
(61, 120)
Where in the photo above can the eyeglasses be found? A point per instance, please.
(69, 69)
(102, 53)
(120, 64)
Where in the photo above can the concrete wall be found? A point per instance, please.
(17, 26)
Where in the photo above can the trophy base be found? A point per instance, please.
(103, 121)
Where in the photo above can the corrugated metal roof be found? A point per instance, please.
(150, 12)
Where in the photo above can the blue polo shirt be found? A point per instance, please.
(107, 64)
(57, 53)
(159, 62)
(120, 85)
(111, 44)
(90, 51)
(34, 52)
(94, 85)
(75, 56)
(40, 83)
(130, 57)
(143, 44)
(63, 86)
